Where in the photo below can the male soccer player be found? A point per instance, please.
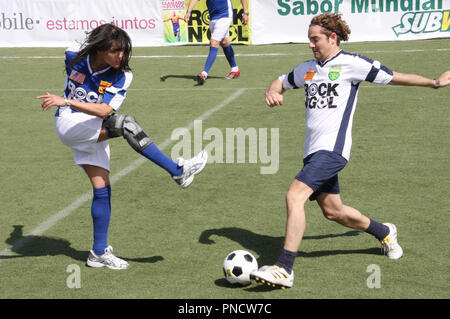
(331, 82)
(221, 15)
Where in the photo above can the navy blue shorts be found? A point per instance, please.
(320, 172)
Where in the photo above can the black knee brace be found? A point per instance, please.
(129, 128)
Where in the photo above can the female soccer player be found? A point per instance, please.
(98, 77)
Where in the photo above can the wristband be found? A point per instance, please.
(437, 84)
(246, 13)
(67, 102)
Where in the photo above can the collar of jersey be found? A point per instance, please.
(322, 64)
(92, 71)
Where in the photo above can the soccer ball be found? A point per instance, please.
(237, 267)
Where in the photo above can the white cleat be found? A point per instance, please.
(201, 78)
(273, 276)
(390, 244)
(106, 260)
(191, 167)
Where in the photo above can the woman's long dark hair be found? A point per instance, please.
(101, 39)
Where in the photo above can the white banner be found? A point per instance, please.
(282, 21)
(58, 23)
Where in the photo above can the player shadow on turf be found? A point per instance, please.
(188, 77)
(267, 246)
(36, 246)
(178, 76)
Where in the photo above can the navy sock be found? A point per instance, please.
(377, 229)
(101, 215)
(153, 153)
(211, 58)
(286, 260)
(229, 54)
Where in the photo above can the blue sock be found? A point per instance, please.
(286, 260)
(211, 58)
(101, 215)
(153, 153)
(377, 229)
(229, 53)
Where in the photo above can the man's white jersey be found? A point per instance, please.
(331, 92)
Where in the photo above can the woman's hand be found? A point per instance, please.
(50, 100)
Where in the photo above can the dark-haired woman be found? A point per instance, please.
(98, 76)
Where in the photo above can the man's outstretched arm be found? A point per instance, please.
(418, 80)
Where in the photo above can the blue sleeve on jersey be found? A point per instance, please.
(110, 96)
(117, 85)
(115, 94)
(70, 55)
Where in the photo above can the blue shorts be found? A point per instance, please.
(320, 171)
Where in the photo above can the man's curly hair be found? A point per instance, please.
(332, 22)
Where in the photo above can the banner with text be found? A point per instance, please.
(59, 23)
(282, 21)
(198, 26)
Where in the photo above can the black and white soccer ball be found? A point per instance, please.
(237, 267)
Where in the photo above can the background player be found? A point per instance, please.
(98, 77)
(220, 18)
(331, 82)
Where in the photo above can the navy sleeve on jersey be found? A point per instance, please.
(375, 69)
(291, 80)
(366, 69)
(296, 78)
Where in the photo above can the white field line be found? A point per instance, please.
(44, 226)
(307, 52)
(152, 56)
